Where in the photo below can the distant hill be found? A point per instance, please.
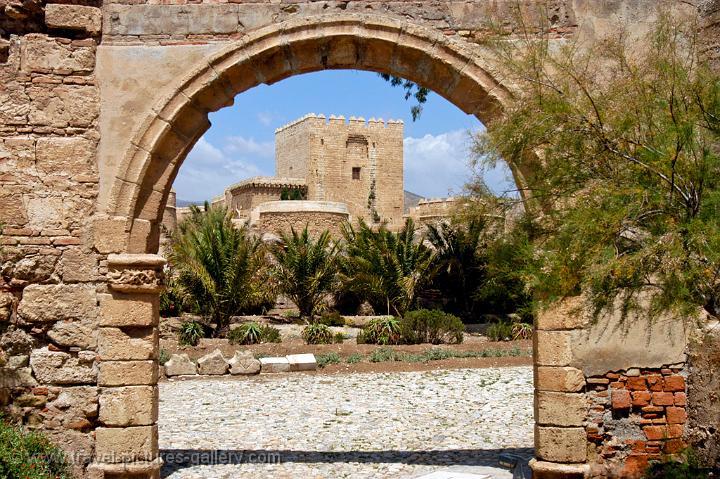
(185, 203)
(411, 200)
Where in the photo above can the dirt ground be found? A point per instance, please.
(293, 344)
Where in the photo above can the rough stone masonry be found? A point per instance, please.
(99, 104)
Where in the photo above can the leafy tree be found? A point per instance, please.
(624, 142)
(412, 89)
(220, 270)
(385, 268)
(306, 269)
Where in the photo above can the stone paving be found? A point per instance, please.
(380, 425)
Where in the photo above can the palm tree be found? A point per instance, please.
(385, 268)
(306, 269)
(219, 267)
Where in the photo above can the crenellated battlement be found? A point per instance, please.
(321, 119)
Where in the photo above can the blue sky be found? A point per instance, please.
(240, 144)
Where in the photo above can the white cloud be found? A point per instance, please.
(209, 169)
(438, 165)
(265, 117)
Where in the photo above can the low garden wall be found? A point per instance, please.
(318, 216)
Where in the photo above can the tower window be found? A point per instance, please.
(356, 173)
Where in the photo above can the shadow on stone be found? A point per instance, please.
(177, 459)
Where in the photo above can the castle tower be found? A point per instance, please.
(355, 162)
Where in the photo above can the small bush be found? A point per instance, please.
(354, 358)
(339, 338)
(500, 331)
(382, 355)
(291, 314)
(164, 357)
(522, 330)
(332, 318)
(317, 333)
(254, 333)
(385, 331)
(325, 359)
(30, 455)
(190, 333)
(431, 326)
(689, 469)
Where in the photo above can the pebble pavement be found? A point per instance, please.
(379, 425)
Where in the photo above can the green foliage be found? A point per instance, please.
(339, 337)
(326, 359)
(254, 333)
(190, 333)
(381, 355)
(686, 466)
(384, 330)
(522, 330)
(500, 331)
(387, 269)
(354, 358)
(291, 194)
(163, 357)
(306, 269)
(30, 455)
(438, 354)
(619, 151)
(220, 269)
(171, 298)
(411, 90)
(431, 326)
(317, 333)
(332, 318)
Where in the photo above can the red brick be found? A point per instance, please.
(617, 385)
(675, 430)
(680, 399)
(673, 446)
(612, 375)
(635, 466)
(676, 415)
(40, 391)
(621, 399)
(674, 383)
(636, 384)
(655, 433)
(666, 371)
(655, 383)
(641, 398)
(652, 409)
(663, 399)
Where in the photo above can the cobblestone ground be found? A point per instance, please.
(382, 425)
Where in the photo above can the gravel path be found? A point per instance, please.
(388, 425)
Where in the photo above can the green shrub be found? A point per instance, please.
(431, 326)
(500, 331)
(522, 330)
(354, 358)
(291, 314)
(332, 318)
(339, 337)
(382, 355)
(30, 455)
(254, 333)
(190, 333)
(317, 333)
(384, 330)
(164, 357)
(270, 334)
(325, 359)
(690, 468)
(171, 300)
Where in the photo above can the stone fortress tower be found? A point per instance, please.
(356, 163)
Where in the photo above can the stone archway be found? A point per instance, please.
(452, 68)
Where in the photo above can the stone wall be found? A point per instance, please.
(279, 217)
(248, 194)
(355, 162)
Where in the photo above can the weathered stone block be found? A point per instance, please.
(72, 408)
(552, 470)
(212, 364)
(78, 266)
(43, 54)
(73, 17)
(564, 379)
(274, 365)
(567, 314)
(553, 348)
(243, 363)
(126, 444)
(180, 365)
(127, 373)
(57, 367)
(127, 344)
(70, 156)
(58, 302)
(561, 444)
(302, 362)
(119, 309)
(110, 235)
(560, 409)
(81, 334)
(64, 105)
(129, 406)
(16, 378)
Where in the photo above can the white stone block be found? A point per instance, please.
(274, 365)
(302, 362)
